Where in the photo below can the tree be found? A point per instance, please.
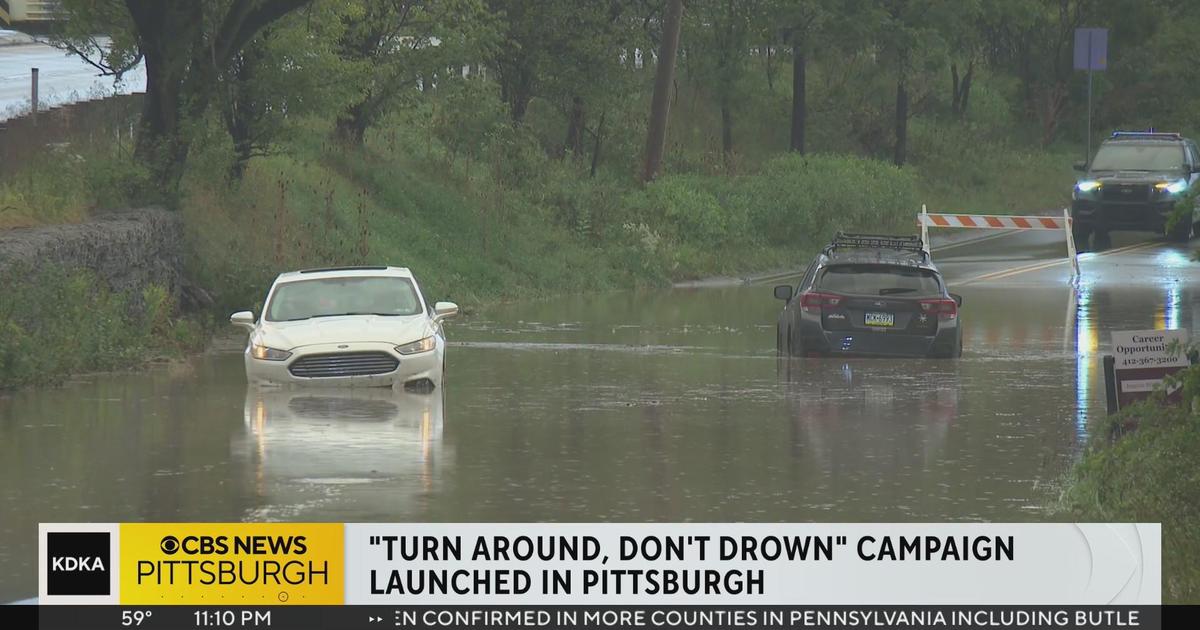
(290, 69)
(186, 46)
(587, 74)
(965, 42)
(911, 36)
(1034, 40)
(564, 50)
(718, 53)
(803, 25)
(660, 104)
(398, 46)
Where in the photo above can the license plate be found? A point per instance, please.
(880, 319)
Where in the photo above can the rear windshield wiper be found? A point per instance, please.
(894, 290)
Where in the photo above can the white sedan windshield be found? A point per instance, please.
(328, 297)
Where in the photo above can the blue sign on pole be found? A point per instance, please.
(1091, 48)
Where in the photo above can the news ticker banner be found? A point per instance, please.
(599, 564)
(690, 617)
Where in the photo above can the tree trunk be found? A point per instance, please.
(726, 132)
(964, 97)
(243, 113)
(516, 86)
(768, 50)
(955, 95)
(596, 146)
(518, 105)
(351, 125)
(574, 142)
(161, 145)
(182, 68)
(660, 105)
(799, 98)
(901, 121)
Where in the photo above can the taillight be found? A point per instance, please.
(816, 301)
(943, 308)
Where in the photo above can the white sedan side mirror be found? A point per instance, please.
(445, 310)
(245, 319)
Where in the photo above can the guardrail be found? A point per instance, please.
(1002, 222)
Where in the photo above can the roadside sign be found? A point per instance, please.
(1142, 359)
(1091, 48)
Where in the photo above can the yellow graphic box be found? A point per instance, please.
(232, 563)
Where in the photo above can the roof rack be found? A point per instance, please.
(1148, 135)
(360, 268)
(845, 240)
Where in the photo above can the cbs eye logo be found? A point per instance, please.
(194, 545)
(169, 545)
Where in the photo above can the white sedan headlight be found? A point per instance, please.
(416, 347)
(264, 353)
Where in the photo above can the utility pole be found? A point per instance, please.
(33, 95)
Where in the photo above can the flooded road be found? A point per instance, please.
(640, 406)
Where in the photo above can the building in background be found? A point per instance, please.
(27, 13)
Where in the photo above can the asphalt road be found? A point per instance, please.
(1039, 258)
(63, 78)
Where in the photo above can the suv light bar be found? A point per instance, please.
(1149, 135)
(877, 241)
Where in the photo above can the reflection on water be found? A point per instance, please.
(312, 450)
(841, 418)
(1087, 340)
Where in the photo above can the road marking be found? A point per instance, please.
(1008, 273)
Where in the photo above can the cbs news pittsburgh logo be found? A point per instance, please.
(202, 563)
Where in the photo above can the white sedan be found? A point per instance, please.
(349, 326)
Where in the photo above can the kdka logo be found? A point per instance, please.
(77, 563)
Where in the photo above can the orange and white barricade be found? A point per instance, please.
(1001, 222)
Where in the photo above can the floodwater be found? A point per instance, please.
(663, 405)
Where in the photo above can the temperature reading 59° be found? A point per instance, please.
(134, 617)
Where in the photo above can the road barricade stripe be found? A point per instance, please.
(986, 221)
(926, 220)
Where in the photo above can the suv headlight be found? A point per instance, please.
(1173, 188)
(264, 353)
(1087, 185)
(418, 346)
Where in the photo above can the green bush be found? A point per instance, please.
(688, 208)
(805, 199)
(55, 322)
(117, 184)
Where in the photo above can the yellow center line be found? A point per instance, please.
(1008, 273)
